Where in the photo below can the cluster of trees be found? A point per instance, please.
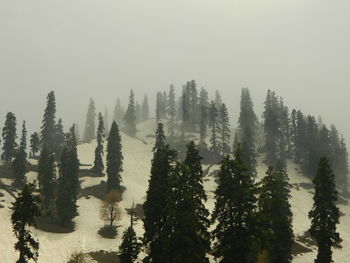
(125, 118)
(300, 137)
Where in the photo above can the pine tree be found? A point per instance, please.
(324, 214)
(145, 109)
(181, 236)
(218, 100)
(24, 210)
(214, 129)
(234, 213)
(73, 161)
(59, 139)
(171, 111)
(203, 126)
(130, 116)
(114, 158)
(20, 162)
(235, 143)
(225, 132)
(343, 167)
(248, 151)
(34, 143)
(89, 133)
(130, 246)
(66, 207)
(247, 116)
(275, 216)
(138, 112)
(106, 122)
(98, 162)
(271, 127)
(186, 109)
(119, 113)
(160, 138)
(194, 103)
(9, 138)
(162, 165)
(48, 133)
(47, 181)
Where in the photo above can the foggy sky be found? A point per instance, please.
(103, 48)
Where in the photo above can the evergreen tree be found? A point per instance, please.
(73, 161)
(130, 246)
(343, 167)
(119, 113)
(225, 132)
(9, 136)
(203, 98)
(24, 210)
(234, 213)
(98, 162)
(138, 112)
(114, 158)
(89, 133)
(182, 238)
(247, 116)
(324, 214)
(214, 129)
(20, 162)
(145, 109)
(160, 138)
(59, 139)
(66, 207)
(162, 165)
(48, 132)
(106, 122)
(235, 143)
(130, 116)
(194, 103)
(311, 155)
(271, 127)
(171, 111)
(248, 151)
(186, 109)
(34, 143)
(218, 100)
(47, 181)
(161, 103)
(203, 126)
(300, 140)
(276, 216)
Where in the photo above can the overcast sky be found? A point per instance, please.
(103, 48)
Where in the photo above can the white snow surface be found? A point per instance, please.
(56, 248)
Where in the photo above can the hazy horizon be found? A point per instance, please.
(102, 49)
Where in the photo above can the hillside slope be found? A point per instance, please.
(56, 248)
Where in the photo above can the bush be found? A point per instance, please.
(108, 231)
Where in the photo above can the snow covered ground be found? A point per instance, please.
(56, 248)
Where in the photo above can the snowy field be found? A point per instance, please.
(56, 248)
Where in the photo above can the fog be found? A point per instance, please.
(103, 48)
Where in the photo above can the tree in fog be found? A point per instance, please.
(98, 162)
(225, 131)
(9, 136)
(110, 210)
(89, 133)
(130, 116)
(106, 122)
(59, 139)
(114, 161)
(325, 214)
(118, 113)
(145, 109)
(34, 143)
(214, 129)
(19, 164)
(171, 111)
(48, 128)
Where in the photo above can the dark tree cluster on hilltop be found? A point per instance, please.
(301, 138)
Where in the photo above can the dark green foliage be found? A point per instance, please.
(160, 138)
(105, 123)
(203, 126)
(343, 167)
(130, 246)
(47, 180)
(89, 133)
(324, 214)
(98, 162)
(130, 116)
(20, 162)
(271, 128)
(114, 158)
(275, 216)
(183, 237)
(248, 151)
(34, 143)
(247, 116)
(145, 109)
(235, 213)
(214, 129)
(162, 165)
(9, 138)
(59, 139)
(171, 111)
(48, 132)
(66, 208)
(225, 132)
(24, 210)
